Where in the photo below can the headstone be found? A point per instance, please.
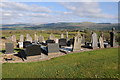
(9, 48)
(52, 48)
(62, 42)
(62, 35)
(26, 43)
(13, 38)
(33, 50)
(20, 44)
(101, 43)
(28, 38)
(70, 42)
(41, 39)
(21, 38)
(77, 42)
(52, 37)
(36, 37)
(83, 40)
(67, 35)
(94, 40)
(56, 40)
(112, 38)
(50, 41)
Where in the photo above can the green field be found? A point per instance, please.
(90, 64)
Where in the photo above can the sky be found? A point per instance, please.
(52, 12)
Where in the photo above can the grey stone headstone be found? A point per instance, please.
(9, 48)
(83, 40)
(13, 38)
(52, 37)
(21, 38)
(52, 48)
(35, 37)
(94, 41)
(77, 43)
(67, 35)
(28, 38)
(101, 42)
(33, 50)
(41, 39)
(62, 42)
(62, 35)
(112, 38)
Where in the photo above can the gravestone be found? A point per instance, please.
(52, 37)
(62, 35)
(50, 41)
(13, 38)
(20, 44)
(9, 48)
(21, 38)
(77, 42)
(83, 40)
(67, 35)
(52, 48)
(62, 42)
(41, 39)
(101, 43)
(56, 40)
(94, 40)
(112, 38)
(70, 42)
(35, 37)
(28, 38)
(33, 50)
(26, 43)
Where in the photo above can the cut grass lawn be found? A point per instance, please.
(91, 64)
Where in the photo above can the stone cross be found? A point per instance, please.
(94, 40)
(21, 38)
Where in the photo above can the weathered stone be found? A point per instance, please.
(101, 42)
(9, 48)
(21, 38)
(13, 38)
(94, 40)
(62, 35)
(112, 38)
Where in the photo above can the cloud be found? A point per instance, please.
(86, 9)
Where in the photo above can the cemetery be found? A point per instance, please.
(69, 48)
(30, 49)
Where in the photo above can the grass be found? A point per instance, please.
(92, 64)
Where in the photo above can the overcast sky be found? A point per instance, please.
(50, 12)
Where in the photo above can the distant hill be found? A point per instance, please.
(61, 26)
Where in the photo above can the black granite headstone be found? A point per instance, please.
(62, 42)
(33, 50)
(9, 48)
(50, 41)
(26, 43)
